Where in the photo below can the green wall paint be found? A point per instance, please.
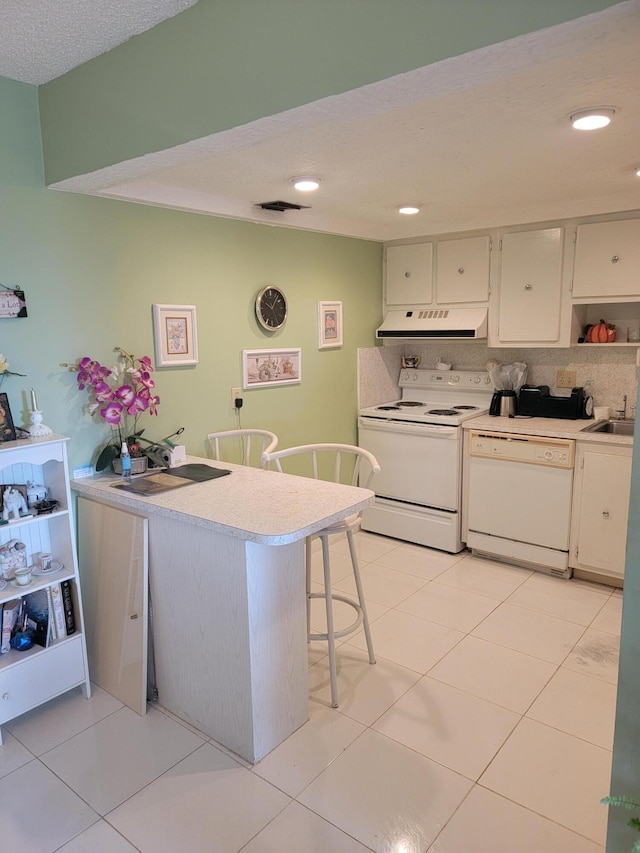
(91, 269)
(224, 63)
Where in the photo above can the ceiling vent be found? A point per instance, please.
(281, 206)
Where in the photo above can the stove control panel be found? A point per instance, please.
(476, 379)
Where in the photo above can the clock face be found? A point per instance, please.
(271, 308)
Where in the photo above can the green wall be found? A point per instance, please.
(92, 268)
(224, 63)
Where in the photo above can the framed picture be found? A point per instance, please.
(13, 496)
(175, 334)
(329, 324)
(263, 367)
(7, 429)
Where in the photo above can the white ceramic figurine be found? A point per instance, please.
(13, 503)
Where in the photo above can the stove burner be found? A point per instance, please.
(465, 407)
(409, 403)
(388, 408)
(442, 412)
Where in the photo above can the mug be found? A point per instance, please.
(633, 332)
(45, 562)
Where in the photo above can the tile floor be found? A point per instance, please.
(486, 726)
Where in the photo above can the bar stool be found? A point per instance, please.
(326, 459)
(239, 441)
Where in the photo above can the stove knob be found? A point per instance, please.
(477, 380)
(454, 378)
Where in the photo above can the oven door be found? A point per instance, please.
(420, 463)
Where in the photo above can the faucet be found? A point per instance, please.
(622, 413)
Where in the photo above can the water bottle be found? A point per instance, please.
(125, 461)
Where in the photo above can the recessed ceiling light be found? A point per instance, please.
(592, 119)
(408, 209)
(306, 184)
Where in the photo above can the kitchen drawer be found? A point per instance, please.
(50, 672)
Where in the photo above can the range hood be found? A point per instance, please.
(425, 323)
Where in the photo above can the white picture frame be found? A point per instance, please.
(262, 368)
(329, 325)
(175, 335)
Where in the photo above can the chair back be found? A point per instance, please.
(243, 446)
(325, 462)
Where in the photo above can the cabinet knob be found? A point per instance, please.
(528, 287)
(6, 696)
(407, 275)
(133, 616)
(460, 270)
(615, 259)
(605, 514)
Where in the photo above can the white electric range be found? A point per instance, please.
(418, 442)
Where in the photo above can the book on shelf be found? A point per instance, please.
(58, 611)
(38, 616)
(10, 611)
(67, 603)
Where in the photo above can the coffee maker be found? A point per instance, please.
(503, 404)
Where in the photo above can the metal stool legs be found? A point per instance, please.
(329, 597)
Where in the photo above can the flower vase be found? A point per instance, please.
(138, 465)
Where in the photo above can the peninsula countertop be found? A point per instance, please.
(260, 506)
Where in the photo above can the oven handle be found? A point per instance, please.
(408, 427)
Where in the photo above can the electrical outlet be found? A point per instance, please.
(235, 393)
(566, 379)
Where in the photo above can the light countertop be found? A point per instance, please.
(260, 506)
(547, 428)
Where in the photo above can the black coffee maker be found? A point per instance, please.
(503, 404)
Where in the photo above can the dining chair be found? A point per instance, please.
(325, 462)
(248, 446)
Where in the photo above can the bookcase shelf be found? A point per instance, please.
(34, 676)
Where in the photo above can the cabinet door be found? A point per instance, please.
(607, 260)
(462, 270)
(531, 286)
(113, 560)
(604, 508)
(409, 275)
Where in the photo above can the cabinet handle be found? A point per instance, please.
(528, 287)
(615, 259)
(605, 514)
(133, 616)
(407, 275)
(460, 270)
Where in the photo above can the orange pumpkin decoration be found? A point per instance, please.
(599, 333)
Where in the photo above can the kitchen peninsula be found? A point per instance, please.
(227, 585)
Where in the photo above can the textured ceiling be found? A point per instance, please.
(42, 39)
(479, 140)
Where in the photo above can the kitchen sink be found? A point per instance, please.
(612, 427)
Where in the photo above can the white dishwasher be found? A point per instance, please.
(519, 499)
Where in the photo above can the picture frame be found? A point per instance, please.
(7, 427)
(329, 325)
(18, 487)
(175, 335)
(12, 303)
(262, 368)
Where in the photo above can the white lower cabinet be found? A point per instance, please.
(30, 677)
(600, 513)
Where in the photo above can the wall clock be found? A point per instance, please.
(271, 308)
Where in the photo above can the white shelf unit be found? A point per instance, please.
(30, 678)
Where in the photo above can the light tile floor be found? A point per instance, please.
(486, 726)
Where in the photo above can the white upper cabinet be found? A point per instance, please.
(530, 301)
(462, 270)
(607, 260)
(409, 274)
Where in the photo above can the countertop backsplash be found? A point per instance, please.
(606, 373)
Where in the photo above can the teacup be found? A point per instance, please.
(45, 562)
(410, 360)
(23, 576)
(442, 365)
